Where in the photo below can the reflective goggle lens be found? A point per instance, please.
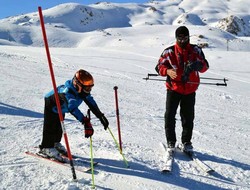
(182, 39)
(85, 88)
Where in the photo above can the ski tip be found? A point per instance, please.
(211, 171)
(163, 146)
(165, 171)
(89, 171)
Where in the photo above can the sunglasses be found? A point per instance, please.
(182, 39)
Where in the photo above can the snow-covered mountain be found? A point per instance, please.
(120, 44)
(76, 20)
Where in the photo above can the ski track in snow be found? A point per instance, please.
(120, 57)
(141, 134)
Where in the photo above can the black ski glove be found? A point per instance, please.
(104, 121)
(195, 66)
(191, 66)
(184, 78)
(186, 73)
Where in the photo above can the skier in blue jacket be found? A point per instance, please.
(71, 95)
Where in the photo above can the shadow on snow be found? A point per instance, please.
(142, 171)
(17, 111)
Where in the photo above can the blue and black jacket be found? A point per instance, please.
(70, 100)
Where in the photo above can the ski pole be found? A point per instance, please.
(204, 78)
(153, 75)
(208, 78)
(92, 164)
(154, 79)
(117, 117)
(208, 83)
(190, 82)
(56, 93)
(124, 159)
(91, 156)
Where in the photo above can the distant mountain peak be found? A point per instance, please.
(234, 25)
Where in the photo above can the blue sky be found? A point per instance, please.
(16, 7)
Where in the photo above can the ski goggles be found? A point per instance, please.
(182, 39)
(84, 88)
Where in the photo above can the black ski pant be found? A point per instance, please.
(187, 103)
(52, 130)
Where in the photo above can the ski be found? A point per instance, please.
(76, 158)
(168, 159)
(80, 165)
(204, 167)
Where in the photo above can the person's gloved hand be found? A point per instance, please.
(184, 77)
(186, 73)
(191, 66)
(88, 129)
(195, 66)
(104, 121)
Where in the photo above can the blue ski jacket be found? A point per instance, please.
(70, 100)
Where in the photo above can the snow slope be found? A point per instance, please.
(121, 56)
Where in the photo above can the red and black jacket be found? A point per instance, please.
(174, 57)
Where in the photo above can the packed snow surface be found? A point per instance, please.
(119, 46)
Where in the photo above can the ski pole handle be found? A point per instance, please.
(152, 75)
(221, 84)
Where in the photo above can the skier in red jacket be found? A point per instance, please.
(181, 63)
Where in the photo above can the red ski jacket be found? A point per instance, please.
(174, 57)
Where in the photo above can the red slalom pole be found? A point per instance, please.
(56, 93)
(117, 116)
